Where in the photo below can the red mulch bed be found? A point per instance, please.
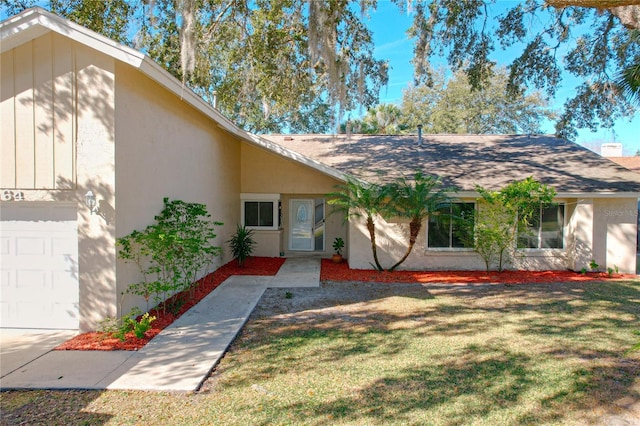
(341, 272)
(99, 341)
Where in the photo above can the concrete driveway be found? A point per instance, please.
(18, 347)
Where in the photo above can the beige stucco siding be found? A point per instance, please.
(602, 229)
(38, 115)
(58, 143)
(264, 172)
(95, 86)
(580, 234)
(392, 239)
(615, 228)
(165, 148)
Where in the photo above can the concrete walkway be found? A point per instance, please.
(178, 359)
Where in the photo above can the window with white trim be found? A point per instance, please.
(444, 228)
(261, 211)
(546, 230)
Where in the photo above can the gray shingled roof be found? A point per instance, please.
(462, 161)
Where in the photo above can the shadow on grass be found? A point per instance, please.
(586, 325)
(494, 383)
(50, 407)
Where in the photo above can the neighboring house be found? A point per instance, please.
(631, 163)
(82, 113)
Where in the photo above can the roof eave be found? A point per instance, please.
(36, 22)
(598, 194)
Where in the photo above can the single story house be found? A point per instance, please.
(81, 114)
(593, 216)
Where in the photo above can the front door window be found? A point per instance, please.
(306, 218)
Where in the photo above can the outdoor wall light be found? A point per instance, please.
(90, 201)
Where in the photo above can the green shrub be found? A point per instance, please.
(112, 326)
(241, 244)
(338, 245)
(172, 252)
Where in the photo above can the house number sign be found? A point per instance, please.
(8, 195)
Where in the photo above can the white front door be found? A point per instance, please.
(306, 224)
(301, 229)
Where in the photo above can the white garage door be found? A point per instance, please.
(39, 266)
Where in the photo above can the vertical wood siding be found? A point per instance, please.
(38, 115)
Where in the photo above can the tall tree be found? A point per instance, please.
(463, 31)
(284, 65)
(274, 65)
(628, 79)
(455, 107)
(384, 119)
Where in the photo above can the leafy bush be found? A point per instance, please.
(172, 252)
(130, 323)
(338, 245)
(501, 216)
(241, 244)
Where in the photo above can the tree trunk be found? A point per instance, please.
(628, 11)
(598, 4)
(372, 234)
(414, 231)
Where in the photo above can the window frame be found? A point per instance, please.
(563, 203)
(261, 198)
(450, 249)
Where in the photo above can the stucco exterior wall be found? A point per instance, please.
(266, 173)
(615, 231)
(58, 142)
(580, 235)
(165, 148)
(268, 243)
(392, 239)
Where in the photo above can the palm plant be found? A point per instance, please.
(356, 198)
(416, 199)
(628, 80)
(241, 244)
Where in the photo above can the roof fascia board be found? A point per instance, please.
(598, 195)
(473, 194)
(37, 21)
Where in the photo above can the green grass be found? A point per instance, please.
(490, 355)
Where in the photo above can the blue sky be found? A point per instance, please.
(389, 26)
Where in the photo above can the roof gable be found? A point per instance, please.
(35, 22)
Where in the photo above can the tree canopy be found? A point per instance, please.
(591, 40)
(295, 65)
(453, 106)
(272, 65)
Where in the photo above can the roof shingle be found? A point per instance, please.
(462, 161)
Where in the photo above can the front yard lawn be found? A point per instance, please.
(369, 354)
